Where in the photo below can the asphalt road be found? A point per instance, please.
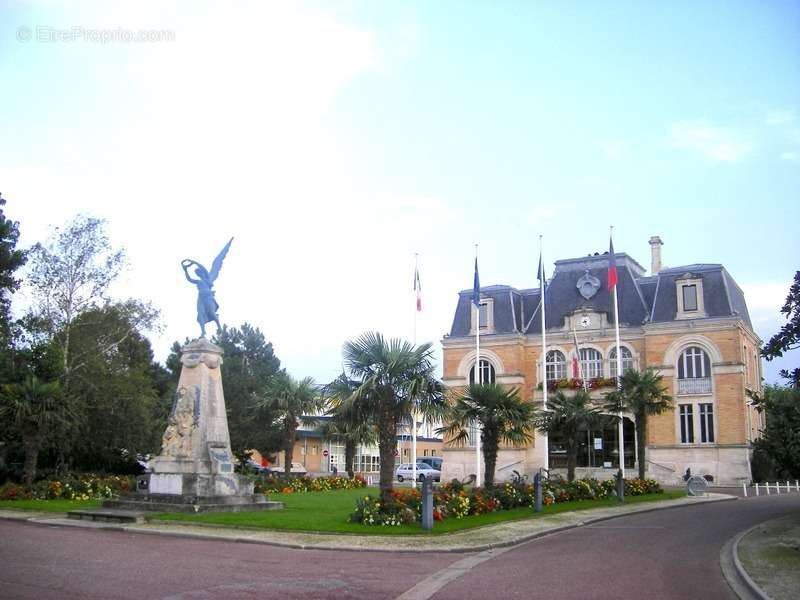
(665, 554)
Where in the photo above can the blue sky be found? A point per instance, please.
(336, 139)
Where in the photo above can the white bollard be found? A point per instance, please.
(767, 486)
(797, 485)
(778, 487)
(757, 489)
(744, 489)
(787, 486)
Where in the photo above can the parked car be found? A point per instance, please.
(406, 471)
(432, 461)
(297, 469)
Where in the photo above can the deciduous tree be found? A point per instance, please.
(788, 338)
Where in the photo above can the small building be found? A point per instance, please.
(320, 456)
(690, 323)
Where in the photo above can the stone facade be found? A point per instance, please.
(711, 435)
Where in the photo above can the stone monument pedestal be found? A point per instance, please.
(194, 471)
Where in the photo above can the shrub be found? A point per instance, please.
(275, 484)
(452, 500)
(72, 486)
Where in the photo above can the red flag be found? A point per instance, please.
(612, 266)
(418, 289)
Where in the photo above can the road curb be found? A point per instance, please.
(60, 522)
(732, 569)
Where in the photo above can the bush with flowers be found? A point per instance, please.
(280, 484)
(72, 486)
(453, 500)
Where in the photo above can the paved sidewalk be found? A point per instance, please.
(770, 555)
(473, 540)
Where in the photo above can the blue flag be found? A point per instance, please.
(540, 272)
(476, 287)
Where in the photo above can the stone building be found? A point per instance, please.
(690, 323)
(319, 455)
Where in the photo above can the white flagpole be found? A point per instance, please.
(544, 356)
(413, 410)
(619, 369)
(479, 380)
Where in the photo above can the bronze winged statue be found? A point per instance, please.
(206, 303)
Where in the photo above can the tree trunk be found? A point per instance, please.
(387, 442)
(288, 451)
(489, 440)
(641, 430)
(572, 461)
(349, 457)
(32, 444)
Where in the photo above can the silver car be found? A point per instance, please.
(405, 471)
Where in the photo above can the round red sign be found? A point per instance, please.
(324, 453)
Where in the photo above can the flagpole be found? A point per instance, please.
(619, 368)
(478, 377)
(413, 408)
(544, 356)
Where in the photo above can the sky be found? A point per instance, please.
(337, 140)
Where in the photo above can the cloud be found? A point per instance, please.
(780, 117)
(614, 149)
(719, 144)
(793, 156)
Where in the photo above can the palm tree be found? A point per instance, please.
(293, 401)
(503, 417)
(568, 417)
(34, 408)
(348, 426)
(641, 394)
(395, 378)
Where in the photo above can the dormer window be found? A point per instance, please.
(485, 316)
(690, 297)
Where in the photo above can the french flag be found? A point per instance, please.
(612, 265)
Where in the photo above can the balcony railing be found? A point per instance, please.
(697, 385)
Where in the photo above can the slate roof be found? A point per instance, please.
(642, 299)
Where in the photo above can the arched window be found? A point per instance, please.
(694, 371)
(556, 365)
(591, 363)
(627, 361)
(487, 372)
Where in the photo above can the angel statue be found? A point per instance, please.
(206, 303)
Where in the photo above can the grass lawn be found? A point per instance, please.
(49, 505)
(328, 512)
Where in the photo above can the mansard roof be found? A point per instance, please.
(642, 299)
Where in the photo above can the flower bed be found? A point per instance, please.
(575, 383)
(279, 484)
(453, 500)
(83, 486)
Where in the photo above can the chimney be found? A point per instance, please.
(655, 254)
